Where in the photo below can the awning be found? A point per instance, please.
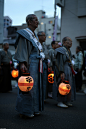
(81, 38)
(10, 41)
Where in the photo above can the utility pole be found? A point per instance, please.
(55, 25)
(1, 20)
(54, 11)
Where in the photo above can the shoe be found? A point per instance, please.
(49, 95)
(31, 116)
(69, 104)
(60, 104)
(25, 117)
(37, 113)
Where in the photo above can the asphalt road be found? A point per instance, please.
(52, 117)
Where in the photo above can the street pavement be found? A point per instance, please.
(52, 117)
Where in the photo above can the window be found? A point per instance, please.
(50, 22)
(49, 37)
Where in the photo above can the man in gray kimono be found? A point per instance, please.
(51, 65)
(42, 38)
(64, 71)
(29, 54)
(51, 54)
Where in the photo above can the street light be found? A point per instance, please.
(42, 23)
(49, 37)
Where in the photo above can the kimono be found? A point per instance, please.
(51, 54)
(45, 71)
(63, 65)
(29, 102)
(5, 75)
(51, 64)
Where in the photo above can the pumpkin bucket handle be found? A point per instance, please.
(25, 74)
(66, 82)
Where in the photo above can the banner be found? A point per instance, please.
(55, 29)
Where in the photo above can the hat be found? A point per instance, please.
(59, 44)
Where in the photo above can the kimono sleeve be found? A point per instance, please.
(80, 58)
(59, 63)
(51, 57)
(46, 52)
(23, 50)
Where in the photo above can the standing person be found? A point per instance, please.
(5, 68)
(51, 65)
(54, 45)
(29, 54)
(63, 71)
(42, 38)
(78, 68)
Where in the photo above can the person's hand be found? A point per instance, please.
(62, 76)
(50, 68)
(23, 67)
(79, 70)
(13, 68)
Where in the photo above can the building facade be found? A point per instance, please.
(46, 24)
(7, 23)
(73, 22)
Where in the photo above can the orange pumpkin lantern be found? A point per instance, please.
(51, 77)
(25, 83)
(64, 89)
(15, 73)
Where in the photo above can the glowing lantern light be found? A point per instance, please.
(25, 83)
(15, 73)
(51, 77)
(64, 89)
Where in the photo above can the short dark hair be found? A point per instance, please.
(53, 42)
(64, 39)
(40, 33)
(79, 48)
(30, 17)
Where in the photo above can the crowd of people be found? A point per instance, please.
(34, 58)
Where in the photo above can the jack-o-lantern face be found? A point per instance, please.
(25, 83)
(64, 89)
(51, 78)
(15, 73)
